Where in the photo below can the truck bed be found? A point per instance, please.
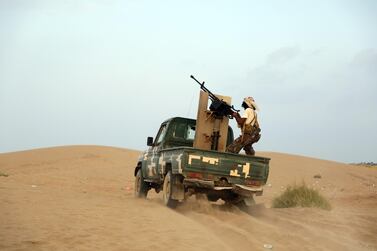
(218, 168)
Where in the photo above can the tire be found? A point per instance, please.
(212, 198)
(241, 203)
(245, 206)
(141, 187)
(200, 196)
(167, 191)
(242, 206)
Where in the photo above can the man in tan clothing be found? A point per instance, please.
(249, 127)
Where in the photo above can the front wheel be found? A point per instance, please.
(141, 187)
(167, 191)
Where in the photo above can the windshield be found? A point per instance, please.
(161, 135)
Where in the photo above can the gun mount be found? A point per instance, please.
(212, 122)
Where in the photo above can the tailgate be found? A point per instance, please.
(236, 168)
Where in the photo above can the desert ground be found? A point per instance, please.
(81, 198)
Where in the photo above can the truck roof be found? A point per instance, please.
(179, 118)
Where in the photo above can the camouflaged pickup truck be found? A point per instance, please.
(173, 166)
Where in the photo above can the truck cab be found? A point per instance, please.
(178, 131)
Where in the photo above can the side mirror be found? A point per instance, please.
(150, 141)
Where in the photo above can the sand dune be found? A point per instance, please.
(81, 198)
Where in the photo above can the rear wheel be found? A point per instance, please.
(242, 205)
(200, 196)
(245, 204)
(213, 197)
(141, 187)
(168, 190)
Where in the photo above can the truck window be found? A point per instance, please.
(179, 130)
(161, 134)
(190, 133)
(184, 131)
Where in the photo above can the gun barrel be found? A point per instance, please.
(212, 96)
(201, 84)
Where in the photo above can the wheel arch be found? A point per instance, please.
(168, 167)
(138, 166)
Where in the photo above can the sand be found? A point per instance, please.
(81, 198)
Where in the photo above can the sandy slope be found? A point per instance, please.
(81, 198)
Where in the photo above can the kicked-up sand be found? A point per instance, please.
(81, 198)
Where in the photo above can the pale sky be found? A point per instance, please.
(109, 72)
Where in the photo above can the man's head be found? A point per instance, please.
(249, 102)
(244, 105)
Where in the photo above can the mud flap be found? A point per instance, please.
(178, 189)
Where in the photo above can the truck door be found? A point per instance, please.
(153, 168)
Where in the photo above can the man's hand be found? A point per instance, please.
(235, 114)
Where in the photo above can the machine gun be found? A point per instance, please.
(218, 106)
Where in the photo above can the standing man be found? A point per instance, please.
(249, 127)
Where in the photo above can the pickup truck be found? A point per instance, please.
(172, 165)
